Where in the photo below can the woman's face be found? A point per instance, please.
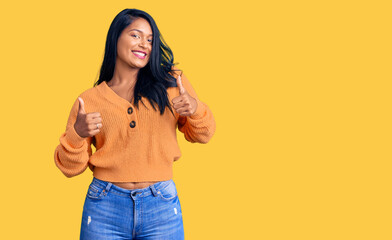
(135, 43)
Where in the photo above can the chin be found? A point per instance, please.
(142, 66)
(138, 64)
(133, 65)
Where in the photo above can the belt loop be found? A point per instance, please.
(153, 190)
(108, 187)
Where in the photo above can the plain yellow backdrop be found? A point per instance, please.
(300, 91)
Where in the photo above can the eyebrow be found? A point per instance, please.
(138, 31)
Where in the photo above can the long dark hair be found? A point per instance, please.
(153, 79)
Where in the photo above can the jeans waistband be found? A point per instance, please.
(152, 189)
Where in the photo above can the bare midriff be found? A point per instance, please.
(133, 185)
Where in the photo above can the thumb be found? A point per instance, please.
(81, 106)
(180, 86)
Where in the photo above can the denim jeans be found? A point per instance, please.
(111, 212)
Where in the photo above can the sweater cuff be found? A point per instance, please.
(200, 110)
(73, 138)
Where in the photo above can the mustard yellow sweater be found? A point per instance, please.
(133, 145)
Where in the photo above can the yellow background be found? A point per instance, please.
(300, 91)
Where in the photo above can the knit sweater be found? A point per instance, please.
(133, 145)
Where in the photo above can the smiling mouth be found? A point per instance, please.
(140, 55)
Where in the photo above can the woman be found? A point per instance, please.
(130, 116)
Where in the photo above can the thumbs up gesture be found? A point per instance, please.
(87, 124)
(185, 104)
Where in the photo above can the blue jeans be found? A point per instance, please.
(111, 212)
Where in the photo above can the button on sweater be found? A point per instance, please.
(134, 144)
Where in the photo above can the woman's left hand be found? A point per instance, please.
(185, 104)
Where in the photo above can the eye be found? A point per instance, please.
(134, 35)
(150, 40)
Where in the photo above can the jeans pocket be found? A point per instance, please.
(169, 192)
(95, 191)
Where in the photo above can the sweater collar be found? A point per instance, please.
(110, 95)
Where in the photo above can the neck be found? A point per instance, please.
(124, 76)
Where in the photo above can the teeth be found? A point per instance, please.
(140, 54)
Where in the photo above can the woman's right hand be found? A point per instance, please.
(87, 124)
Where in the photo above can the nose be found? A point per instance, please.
(143, 43)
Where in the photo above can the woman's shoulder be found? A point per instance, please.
(92, 91)
(91, 95)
